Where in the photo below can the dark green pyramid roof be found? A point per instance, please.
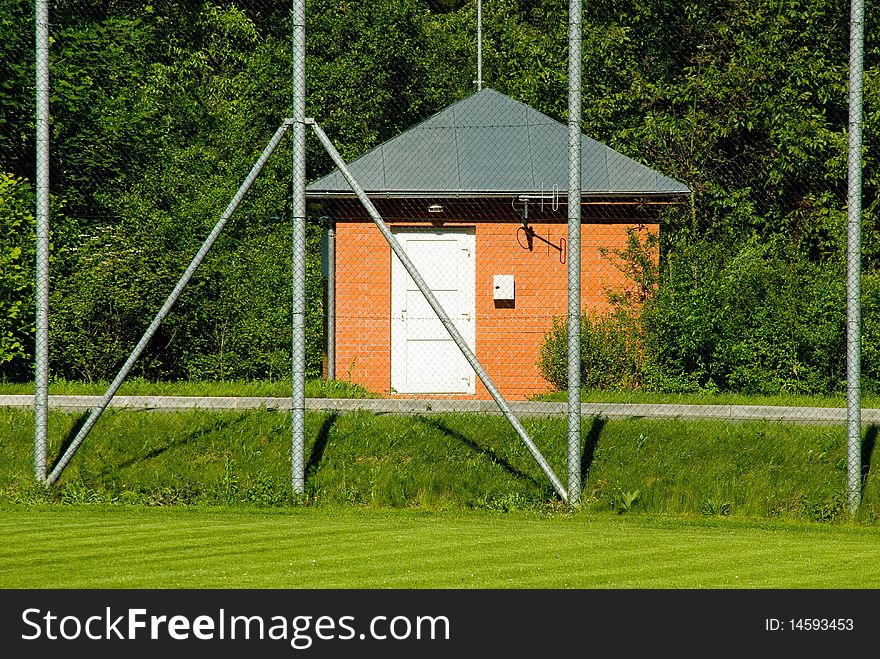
(489, 144)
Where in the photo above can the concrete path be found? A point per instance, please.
(807, 415)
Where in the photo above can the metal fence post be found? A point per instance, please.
(298, 342)
(853, 259)
(41, 335)
(479, 45)
(574, 251)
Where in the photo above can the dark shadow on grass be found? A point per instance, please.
(867, 452)
(482, 450)
(193, 436)
(590, 443)
(320, 445)
(68, 439)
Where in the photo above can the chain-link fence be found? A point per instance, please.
(432, 251)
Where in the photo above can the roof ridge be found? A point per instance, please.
(484, 143)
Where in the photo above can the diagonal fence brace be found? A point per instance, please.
(438, 309)
(96, 412)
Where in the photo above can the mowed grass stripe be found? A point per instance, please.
(91, 547)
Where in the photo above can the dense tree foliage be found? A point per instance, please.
(160, 108)
(16, 286)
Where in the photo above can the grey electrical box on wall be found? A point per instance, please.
(504, 288)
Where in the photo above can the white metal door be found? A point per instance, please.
(424, 358)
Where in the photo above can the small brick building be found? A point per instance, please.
(476, 194)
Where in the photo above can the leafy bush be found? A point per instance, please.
(16, 281)
(763, 317)
(612, 353)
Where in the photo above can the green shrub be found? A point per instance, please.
(612, 353)
(16, 278)
(761, 318)
(17, 282)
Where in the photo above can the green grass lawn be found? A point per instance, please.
(135, 547)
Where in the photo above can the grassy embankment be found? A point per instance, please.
(756, 470)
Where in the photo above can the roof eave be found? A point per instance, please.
(445, 194)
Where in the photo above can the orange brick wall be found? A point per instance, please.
(508, 340)
(363, 306)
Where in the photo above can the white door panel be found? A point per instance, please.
(445, 376)
(422, 323)
(424, 358)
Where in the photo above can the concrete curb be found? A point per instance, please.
(805, 415)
